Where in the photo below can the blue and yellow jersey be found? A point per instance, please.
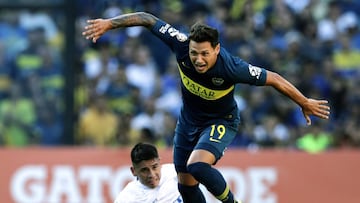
(209, 95)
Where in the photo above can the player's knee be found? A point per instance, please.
(186, 190)
(197, 169)
(186, 179)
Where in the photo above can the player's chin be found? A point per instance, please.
(152, 183)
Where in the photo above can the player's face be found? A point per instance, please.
(202, 55)
(148, 172)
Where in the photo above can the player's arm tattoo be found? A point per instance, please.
(134, 19)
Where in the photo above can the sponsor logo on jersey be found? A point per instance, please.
(202, 91)
(173, 32)
(217, 81)
(164, 28)
(181, 37)
(254, 71)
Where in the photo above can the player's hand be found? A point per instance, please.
(96, 28)
(317, 108)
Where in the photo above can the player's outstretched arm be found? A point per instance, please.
(309, 106)
(97, 27)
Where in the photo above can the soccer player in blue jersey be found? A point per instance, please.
(209, 116)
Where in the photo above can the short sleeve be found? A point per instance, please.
(243, 72)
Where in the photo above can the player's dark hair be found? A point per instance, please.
(200, 32)
(142, 152)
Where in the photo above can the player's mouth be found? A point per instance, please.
(200, 67)
(152, 182)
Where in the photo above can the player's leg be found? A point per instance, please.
(189, 189)
(210, 177)
(187, 185)
(210, 148)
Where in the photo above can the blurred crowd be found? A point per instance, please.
(127, 84)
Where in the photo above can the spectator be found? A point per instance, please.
(100, 64)
(142, 72)
(98, 124)
(347, 58)
(6, 74)
(122, 96)
(17, 118)
(316, 140)
(49, 127)
(149, 121)
(29, 61)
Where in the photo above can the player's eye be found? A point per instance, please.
(144, 170)
(193, 53)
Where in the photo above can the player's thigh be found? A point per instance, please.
(216, 138)
(183, 147)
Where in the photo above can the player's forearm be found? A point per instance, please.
(133, 19)
(286, 88)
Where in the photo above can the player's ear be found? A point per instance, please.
(132, 169)
(217, 48)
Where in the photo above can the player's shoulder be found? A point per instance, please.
(226, 55)
(131, 187)
(168, 167)
(168, 170)
(131, 192)
(230, 59)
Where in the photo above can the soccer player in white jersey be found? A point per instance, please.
(154, 183)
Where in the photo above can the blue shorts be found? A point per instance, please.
(215, 138)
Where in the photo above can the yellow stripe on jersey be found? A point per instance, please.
(201, 91)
